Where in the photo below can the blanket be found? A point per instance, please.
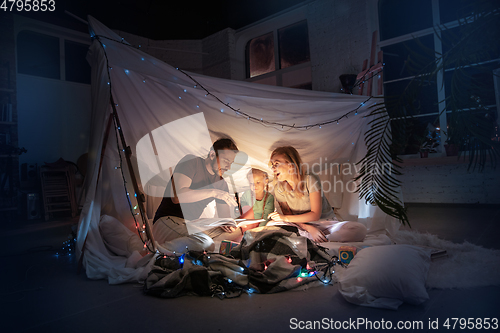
(268, 260)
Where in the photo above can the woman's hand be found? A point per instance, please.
(315, 233)
(277, 217)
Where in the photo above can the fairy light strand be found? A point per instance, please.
(260, 120)
(117, 128)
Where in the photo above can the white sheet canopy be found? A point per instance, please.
(167, 109)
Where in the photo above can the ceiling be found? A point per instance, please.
(164, 19)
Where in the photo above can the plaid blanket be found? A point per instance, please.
(268, 260)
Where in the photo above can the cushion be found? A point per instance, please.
(118, 238)
(348, 231)
(386, 276)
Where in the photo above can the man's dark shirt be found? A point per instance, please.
(194, 168)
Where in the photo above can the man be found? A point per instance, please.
(195, 183)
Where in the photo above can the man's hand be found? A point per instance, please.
(228, 198)
(228, 228)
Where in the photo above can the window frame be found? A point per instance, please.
(62, 34)
(438, 48)
(279, 73)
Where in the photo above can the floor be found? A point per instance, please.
(42, 292)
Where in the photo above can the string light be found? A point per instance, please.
(275, 124)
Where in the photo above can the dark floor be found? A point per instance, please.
(41, 292)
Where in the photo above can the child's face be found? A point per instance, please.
(257, 183)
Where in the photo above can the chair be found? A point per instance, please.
(58, 188)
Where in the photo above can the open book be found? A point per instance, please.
(434, 253)
(200, 225)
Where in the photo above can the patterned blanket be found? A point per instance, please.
(268, 260)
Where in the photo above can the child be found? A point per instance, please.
(257, 203)
(299, 200)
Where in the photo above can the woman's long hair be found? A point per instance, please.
(292, 156)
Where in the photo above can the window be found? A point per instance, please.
(76, 66)
(260, 55)
(280, 57)
(293, 45)
(38, 55)
(411, 35)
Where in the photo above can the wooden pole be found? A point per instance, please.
(141, 198)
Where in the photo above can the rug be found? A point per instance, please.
(465, 266)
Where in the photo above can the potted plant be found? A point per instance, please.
(451, 147)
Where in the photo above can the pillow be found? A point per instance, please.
(386, 276)
(348, 231)
(118, 238)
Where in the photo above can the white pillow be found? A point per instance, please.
(118, 238)
(386, 276)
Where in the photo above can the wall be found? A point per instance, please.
(185, 54)
(53, 115)
(450, 183)
(338, 37)
(54, 119)
(218, 53)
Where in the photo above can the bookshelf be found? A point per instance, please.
(9, 150)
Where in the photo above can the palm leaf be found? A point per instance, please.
(378, 185)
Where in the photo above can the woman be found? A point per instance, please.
(299, 200)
